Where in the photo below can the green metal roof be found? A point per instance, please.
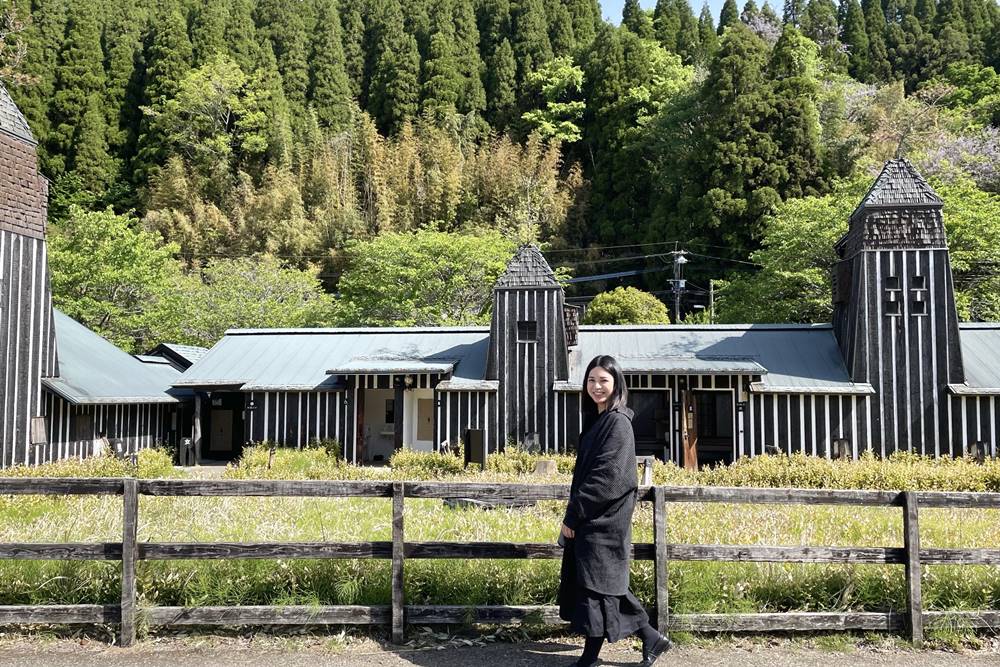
(92, 370)
(312, 359)
(980, 357)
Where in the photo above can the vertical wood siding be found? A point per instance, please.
(27, 346)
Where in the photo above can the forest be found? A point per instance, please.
(227, 163)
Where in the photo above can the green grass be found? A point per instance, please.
(694, 587)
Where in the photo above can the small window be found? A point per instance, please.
(390, 411)
(918, 308)
(892, 282)
(892, 307)
(527, 332)
(918, 283)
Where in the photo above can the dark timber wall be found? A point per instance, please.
(27, 339)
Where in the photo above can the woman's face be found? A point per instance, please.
(600, 386)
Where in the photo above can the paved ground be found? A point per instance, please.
(195, 652)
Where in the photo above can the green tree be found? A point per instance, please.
(284, 25)
(208, 31)
(708, 40)
(329, 89)
(90, 159)
(667, 23)
(423, 278)
(855, 37)
(729, 16)
(879, 66)
(250, 292)
(636, 19)
(472, 94)
(561, 30)
(442, 82)
(353, 41)
(626, 305)
(395, 86)
(79, 75)
(793, 11)
(819, 23)
(501, 86)
(39, 41)
(530, 38)
(108, 274)
(241, 35)
(557, 85)
(586, 15)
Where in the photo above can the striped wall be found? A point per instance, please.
(295, 418)
(526, 370)
(973, 419)
(459, 411)
(72, 429)
(27, 341)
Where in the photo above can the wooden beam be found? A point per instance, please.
(911, 542)
(61, 551)
(73, 486)
(660, 567)
(59, 613)
(130, 520)
(265, 615)
(262, 550)
(487, 491)
(397, 563)
(787, 621)
(720, 494)
(261, 487)
(960, 557)
(196, 428)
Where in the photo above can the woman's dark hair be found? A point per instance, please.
(619, 395)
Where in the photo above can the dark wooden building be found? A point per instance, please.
(61, 385)
(895, 370)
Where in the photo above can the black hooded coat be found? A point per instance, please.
(601, 502)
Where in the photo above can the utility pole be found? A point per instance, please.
(711, 301)
(679, 261)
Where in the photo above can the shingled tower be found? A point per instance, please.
(894, 310)
(27, 338)
(527, 349)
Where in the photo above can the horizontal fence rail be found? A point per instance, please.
(129, 551)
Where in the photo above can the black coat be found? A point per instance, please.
(600, 507)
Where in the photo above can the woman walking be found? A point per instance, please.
(597, 529)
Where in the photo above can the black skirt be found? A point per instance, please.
(594, 614)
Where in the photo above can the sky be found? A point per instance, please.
(613, 8)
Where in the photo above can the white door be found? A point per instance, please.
(418, 419)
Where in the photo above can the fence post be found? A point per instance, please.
(647, 470)
(660, 554)
(911, 544)
(130, 520)
(397, 563)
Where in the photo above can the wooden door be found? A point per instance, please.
(689, 431)
(425, 419)
(221, 439)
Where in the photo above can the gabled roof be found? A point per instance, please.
(12, 121)
(981, 358)
(94, 371)
(182, 356)
(527, 268)
(802, 358)
(899, 185)
(313, 359)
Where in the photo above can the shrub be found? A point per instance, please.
(152, 463)
(517, 461)
(425, 465)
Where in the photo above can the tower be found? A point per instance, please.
(894, 311)
(27, 337)
(527, 350)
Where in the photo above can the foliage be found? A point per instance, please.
(626, 305)
(425, 465)
(151, 463)
(556, 84)
(424, 278)
(110, 275)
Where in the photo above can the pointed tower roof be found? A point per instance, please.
(527, 268)
(12, 121)
(900, 185)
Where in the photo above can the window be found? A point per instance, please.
(892, 282)
(918, 307)
(390, 411)
(892, 307)
(527, 332)
(918, 282)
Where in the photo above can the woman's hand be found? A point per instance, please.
(568, 532)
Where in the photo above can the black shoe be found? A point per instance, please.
(660, 646)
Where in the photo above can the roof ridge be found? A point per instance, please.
(527, 268)
(12, 121)
(899, 184)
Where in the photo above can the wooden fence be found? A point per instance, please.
(129, 551)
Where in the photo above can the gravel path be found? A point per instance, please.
(552, 653)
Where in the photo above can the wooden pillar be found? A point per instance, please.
(689, 431)
(911, 545)
(661, 556)
(196, 431)
(398, 414)
(397, 563)
(130, 520)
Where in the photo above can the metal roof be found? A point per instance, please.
(800, 358)
(191, 353)
(980, 357)
(94, 371)
(298, 359)
(527, 268)
(12, 120)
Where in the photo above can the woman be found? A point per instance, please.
(597, 528)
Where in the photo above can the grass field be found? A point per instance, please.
(694, 587)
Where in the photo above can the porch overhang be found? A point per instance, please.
(393, 366)
(847, 389)
(966, 390)
(692, 365)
